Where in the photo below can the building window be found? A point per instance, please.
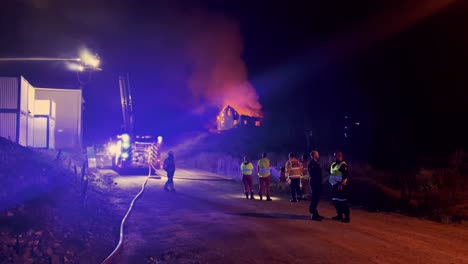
(257, 123)
(235, 122)
(229, 113)
(245, 122)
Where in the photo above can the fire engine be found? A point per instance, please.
(129, 150)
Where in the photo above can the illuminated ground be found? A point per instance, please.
(208, 221)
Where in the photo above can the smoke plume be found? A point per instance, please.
(218, 73)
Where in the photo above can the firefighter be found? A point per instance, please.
(315, 179)
(305, 190)
(264, 168)
(293, 176)
(169, 167)
(339, 171)
(247, 179)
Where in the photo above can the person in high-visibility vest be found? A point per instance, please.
(339, 171)
(293, 176)
(247, 170)
(264, 168)
(305, 188)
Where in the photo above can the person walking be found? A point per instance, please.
(339, 171)
(169, 167)
(315, 180)
(264, 170)
(293, 176)
(247, 170)
(305, 188)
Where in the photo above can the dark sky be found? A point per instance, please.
(399, 67)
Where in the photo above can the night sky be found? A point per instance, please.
(397, 67)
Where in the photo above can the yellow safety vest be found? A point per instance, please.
(264, 167)
(335, 174)
(246, 169)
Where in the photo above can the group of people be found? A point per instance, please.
(306, 173)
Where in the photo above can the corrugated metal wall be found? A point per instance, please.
(8, 93)
(40, 132)
(24, 93)
(9, 107)
(17, 111)
(30, 112)
(51, 133)
(44, 132)
(45, 107)
(23, 130)
(8, 126)
(68, 115)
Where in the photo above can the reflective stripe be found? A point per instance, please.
(246, 169)
(293, 168)
(335, 174)
(264, 167)
(339, 199)
(335, 179)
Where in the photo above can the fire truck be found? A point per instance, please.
(130, 150)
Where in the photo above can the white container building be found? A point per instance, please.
(68, 126)
(58, 115)
(17, 110)
(44, 124)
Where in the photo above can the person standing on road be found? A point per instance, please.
(264, 168)
(293, 176)
(305, 189)
(339, 171)
(315, 179)
(169, 167)
(247, 170)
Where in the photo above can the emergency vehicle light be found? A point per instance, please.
(125, 145)
(125, 138)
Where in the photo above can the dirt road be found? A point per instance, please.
(208, 221)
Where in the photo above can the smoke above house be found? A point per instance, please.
(219, 75)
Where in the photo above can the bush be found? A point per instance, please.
(436, 193)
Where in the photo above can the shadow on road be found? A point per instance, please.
(274, 215)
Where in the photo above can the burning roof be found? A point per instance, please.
(229, 118)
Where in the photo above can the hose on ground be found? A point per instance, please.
(122, 223)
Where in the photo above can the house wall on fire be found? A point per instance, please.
(229, 118)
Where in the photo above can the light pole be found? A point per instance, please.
(85, 62)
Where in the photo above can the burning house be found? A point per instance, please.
(229, 118)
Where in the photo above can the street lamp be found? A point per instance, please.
(86, 61)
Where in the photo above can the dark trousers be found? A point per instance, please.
(340, 200)
(295, 188)
(170, 180)
(315, 198)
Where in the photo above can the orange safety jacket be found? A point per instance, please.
(293, 169)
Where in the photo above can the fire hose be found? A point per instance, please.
(122, 223)
(130, 208)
